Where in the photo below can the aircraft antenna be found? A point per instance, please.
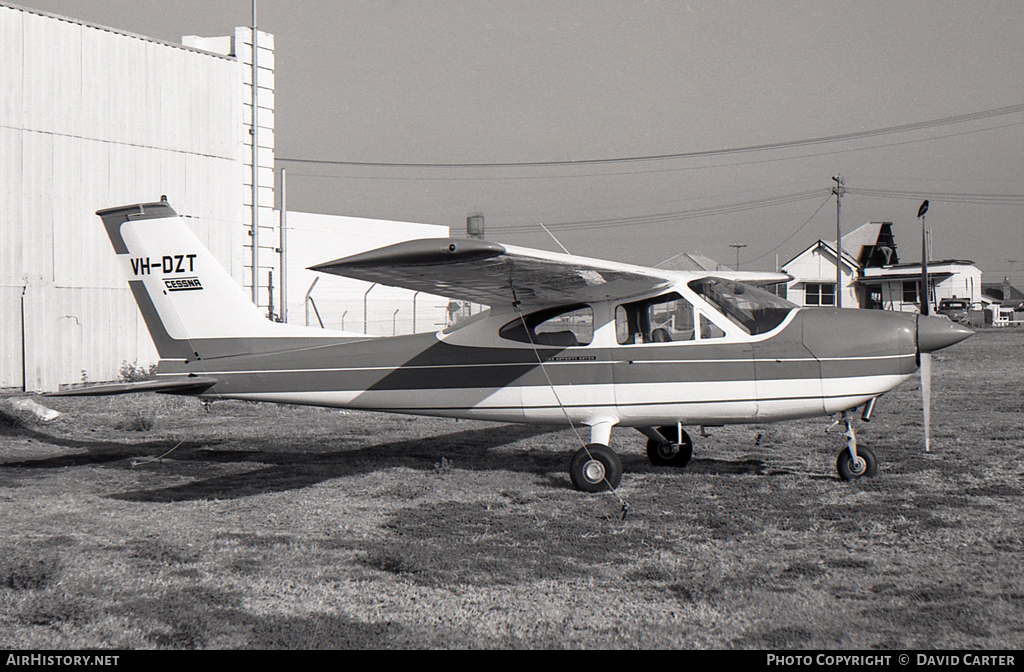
(517, 305)
(554, 239)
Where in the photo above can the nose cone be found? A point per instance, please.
(935, 333)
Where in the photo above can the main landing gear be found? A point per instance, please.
(670, 446)
(597, 468)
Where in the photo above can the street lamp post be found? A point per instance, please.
(924, 259)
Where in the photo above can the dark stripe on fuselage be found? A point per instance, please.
(421, 363)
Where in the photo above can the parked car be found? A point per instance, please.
(955, 309)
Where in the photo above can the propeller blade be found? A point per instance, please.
(934, 333)
(926, 398)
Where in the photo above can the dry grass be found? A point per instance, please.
(296, 527)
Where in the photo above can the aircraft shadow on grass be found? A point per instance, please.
(218, 472)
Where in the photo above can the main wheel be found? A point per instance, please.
(595, 468)
(675, 451)
(865, 466)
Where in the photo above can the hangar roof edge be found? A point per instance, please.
(110, 29)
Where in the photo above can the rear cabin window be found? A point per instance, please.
(565, 326)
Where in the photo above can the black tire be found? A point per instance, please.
(595, 468)
(866, 467)
(675, 452)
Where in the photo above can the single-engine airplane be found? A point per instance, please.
(567, 340)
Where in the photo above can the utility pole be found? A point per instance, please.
(738, 247)
(839, 191)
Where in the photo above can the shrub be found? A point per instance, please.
(133, 373)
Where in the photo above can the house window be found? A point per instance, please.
(820, 294)
(910, 291)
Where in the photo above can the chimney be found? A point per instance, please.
(475, 226)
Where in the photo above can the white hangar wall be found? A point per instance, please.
(91, 118)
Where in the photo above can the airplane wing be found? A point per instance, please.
(179, 385)
(497, 275)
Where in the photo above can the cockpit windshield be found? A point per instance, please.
(754, 309)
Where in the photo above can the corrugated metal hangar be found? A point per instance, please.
(93, 117)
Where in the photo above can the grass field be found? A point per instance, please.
(288, 527)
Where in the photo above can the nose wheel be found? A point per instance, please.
(854, 462)
(851, 468)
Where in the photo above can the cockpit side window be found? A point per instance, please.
(564, 326)
(663, 319)
(751, 308)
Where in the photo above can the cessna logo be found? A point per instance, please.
(177, 263)
(182, 284)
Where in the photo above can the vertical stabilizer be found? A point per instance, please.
(186, 297)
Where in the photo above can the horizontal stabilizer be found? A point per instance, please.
(183, 385)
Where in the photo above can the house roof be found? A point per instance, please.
(1003, 292)
(879, 278)
(691, 261)
(830, 246)
(870, 244)
(865, 234)
(937, 270)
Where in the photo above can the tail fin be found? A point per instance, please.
(189, 302)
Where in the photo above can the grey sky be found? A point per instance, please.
(449, 81)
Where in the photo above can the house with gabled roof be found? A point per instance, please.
(1004, 302)
(872, 276)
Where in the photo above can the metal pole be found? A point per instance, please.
(284, 238)
(838, 191)
(924, 268)
(414, 311)
(254, 232)
(270, 295)
(309, 298)
(365, 306)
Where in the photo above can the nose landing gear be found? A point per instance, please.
(853, 462)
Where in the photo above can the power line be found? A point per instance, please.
(677, 169)
(743, 206)
(673, 216)
(977, 199)
(903, 128)
(792, 235)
